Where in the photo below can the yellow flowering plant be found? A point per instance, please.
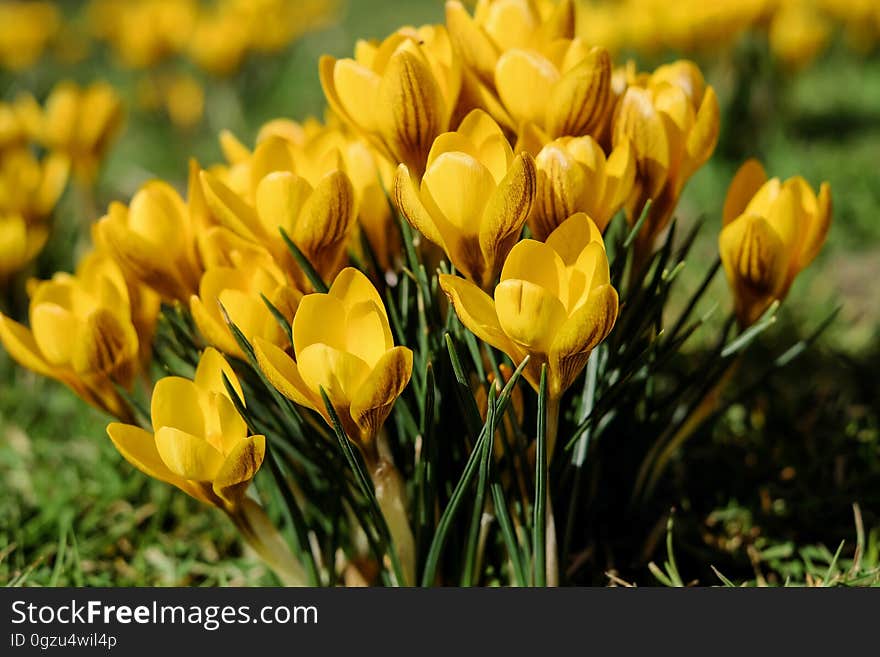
(442, 331)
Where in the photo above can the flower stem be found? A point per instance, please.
(267, 542)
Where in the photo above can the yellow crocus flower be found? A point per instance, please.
(474, 198)
(31, 187)
(81, 333)
(772, 231)
(19, 243)
(555, 303)
(238, 289)
(80, 123)
(564, 91)
(153, 239)
(574, 175)
(501, 25)
(317, 150)
(199, 442)
(399, 93)
(29, 191)
(343, 344)
(26, 29)
(317, 218)
(798, 32)
(672, 121)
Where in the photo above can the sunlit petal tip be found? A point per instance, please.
(374, 399)
(282, 372)
(239, 467)
(745, 184)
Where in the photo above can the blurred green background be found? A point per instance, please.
(72, 512)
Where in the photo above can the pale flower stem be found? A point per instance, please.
(391, 496)
(267, 542)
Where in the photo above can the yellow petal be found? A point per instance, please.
(210, 370)
(816, 229)
(106, 347)
(319, 319)
(374, 399)
(580, 334)
(357, 89)
(234, 151)
(745, 184)
(339, 373)
(525, 82)
(138, 447)
(271, 155)
(476, 310)
(282, 372)
(537, 263)
(413, 110)
(210, 324)
(529, 314)
(477, 50)
(56, 331)
(579, 102)
(238, 469)
(572, 236)
(506, 212)
(351, 286)
(620, 174)
(20, 344)
(703, 136)
(326, 217)
(455, 191)
(186, 455)
(280, 197)
(753, 254)
(406, 197)
(177, 402)
(561, 181)
(367, 333)
(639, 122)
(230, 209)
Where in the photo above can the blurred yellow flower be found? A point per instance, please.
(81, 333)
(19, 243)
(798, 33)
(343, 344)
(399, 93)
(143, 32)
(26, 29)
(554, 303)
(80, 123)
(153, 239)
(574, 175)
(474, 198)
(772, 231)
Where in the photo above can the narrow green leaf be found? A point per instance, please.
(308, 269)
(468, 576)
(279, 317)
